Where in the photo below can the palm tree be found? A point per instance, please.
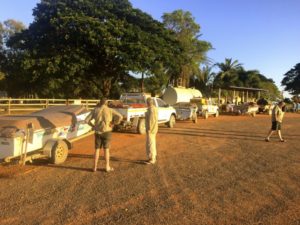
(228, 72)
(203, 80)
(229, 65)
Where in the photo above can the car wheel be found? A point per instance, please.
(217, 113)
(195, 118)
(172, 121)
(141, 126)
(205, 115)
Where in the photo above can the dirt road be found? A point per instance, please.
(218, 171)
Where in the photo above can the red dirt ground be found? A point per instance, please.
(218, 171)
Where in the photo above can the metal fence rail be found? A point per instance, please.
(11, 105)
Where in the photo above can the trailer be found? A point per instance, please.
(186, 111)
(48, 133)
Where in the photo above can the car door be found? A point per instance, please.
(163, 110)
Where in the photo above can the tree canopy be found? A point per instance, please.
(94, 48)
(291, 80)
(7, 30)
(82, 48)
(187, 32)
(232, 73)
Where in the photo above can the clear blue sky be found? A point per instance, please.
(260, 34)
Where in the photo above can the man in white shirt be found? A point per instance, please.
(151, 131)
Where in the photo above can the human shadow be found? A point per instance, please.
(112, 158)
(212, 135)
(213, 132)
(67, 167)
(234, 131)
(83, 156)
(117, 159)
(231, 132)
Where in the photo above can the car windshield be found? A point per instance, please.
(133, 101)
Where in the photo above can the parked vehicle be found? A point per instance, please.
(132, 106)
(186, 111)
(265, 109)
(264, 106)
(47, 133)
(250, 108)
(296, 107)
(205, 107)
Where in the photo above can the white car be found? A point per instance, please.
(205, 107)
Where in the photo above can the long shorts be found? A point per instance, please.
(276, 125)
(102, 140)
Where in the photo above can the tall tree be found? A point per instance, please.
(291, 80)
(83, 48)
(233, 74)
(7, 30)
(194, 50)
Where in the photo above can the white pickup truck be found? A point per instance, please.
(132, 106)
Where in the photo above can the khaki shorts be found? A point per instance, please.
(102, 140)
(276, 125)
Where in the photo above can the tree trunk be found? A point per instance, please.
(142, 83)
(106, 87)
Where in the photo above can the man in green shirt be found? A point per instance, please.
(103, 117)
(277, 116)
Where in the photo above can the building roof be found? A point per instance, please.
(235, 88)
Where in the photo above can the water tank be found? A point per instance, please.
(174, 95)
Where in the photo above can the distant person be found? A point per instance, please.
(277, 116)
(151, 131)
(104, 118)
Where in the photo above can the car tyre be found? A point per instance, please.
(205, 115)
(172, 121)
(141, 129)
(217, 113)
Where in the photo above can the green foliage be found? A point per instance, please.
(8, 29)
(291, 80)
(203, 81)
(296, 99)
(262, 101)
(287, 101)
(233, 74)
(194, 51)
(228, 75)
(83, 48)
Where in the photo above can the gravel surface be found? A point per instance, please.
(218, 171)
